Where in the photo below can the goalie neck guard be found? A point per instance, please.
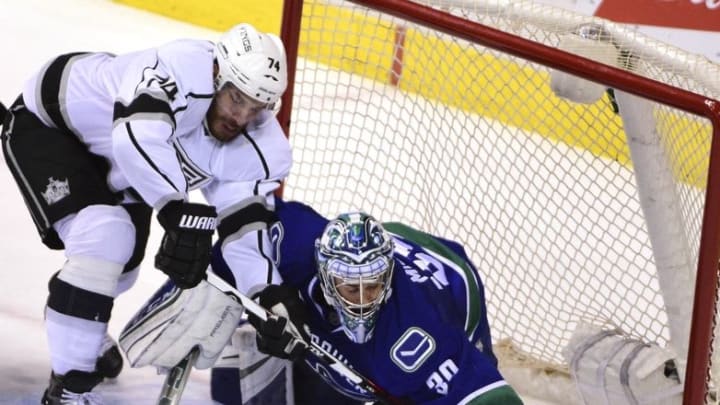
(355, 253)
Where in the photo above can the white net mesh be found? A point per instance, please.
(472, 144)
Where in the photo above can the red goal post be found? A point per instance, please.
(482, 71)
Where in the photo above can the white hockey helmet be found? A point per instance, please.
(253, 62)
(354, 249)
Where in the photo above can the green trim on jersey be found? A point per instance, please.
(451, 260)
(504, 395)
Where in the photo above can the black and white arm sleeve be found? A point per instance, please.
(243, 230)
(143, 123)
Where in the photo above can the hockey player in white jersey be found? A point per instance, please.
(96, 142)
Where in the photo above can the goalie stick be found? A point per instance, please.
(323, 355)
(177, 379)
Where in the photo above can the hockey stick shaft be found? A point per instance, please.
(177, 379)
(323, 355)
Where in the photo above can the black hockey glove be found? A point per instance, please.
(184, 252)
(284, 334)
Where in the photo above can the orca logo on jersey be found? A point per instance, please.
(412, 349)
(197, 222)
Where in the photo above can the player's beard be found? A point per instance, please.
(221, 125)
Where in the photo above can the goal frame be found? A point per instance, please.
(706, 286)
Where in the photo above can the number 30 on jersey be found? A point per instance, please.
(439, 379)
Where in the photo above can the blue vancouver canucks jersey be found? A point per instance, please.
(432, 341)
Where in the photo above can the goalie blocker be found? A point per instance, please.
(174, 321)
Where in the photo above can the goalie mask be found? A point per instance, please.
(355, 264)
(253, 62)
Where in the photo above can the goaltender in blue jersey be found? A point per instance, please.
(401, 307)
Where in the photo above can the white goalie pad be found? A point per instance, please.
(263, 378)
(174, 321)
(611, 369)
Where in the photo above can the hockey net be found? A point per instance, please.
(580, 215)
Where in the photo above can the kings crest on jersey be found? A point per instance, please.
(424, 346)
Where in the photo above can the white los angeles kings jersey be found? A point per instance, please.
(145, 113)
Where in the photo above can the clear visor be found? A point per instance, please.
(223, 82)
(241, 100)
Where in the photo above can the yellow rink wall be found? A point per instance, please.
(534, 107)
(219, 15)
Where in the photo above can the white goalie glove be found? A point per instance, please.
(608, 367)
(174, 321)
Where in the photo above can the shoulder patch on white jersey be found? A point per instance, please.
(56, 190)
(412, 349)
